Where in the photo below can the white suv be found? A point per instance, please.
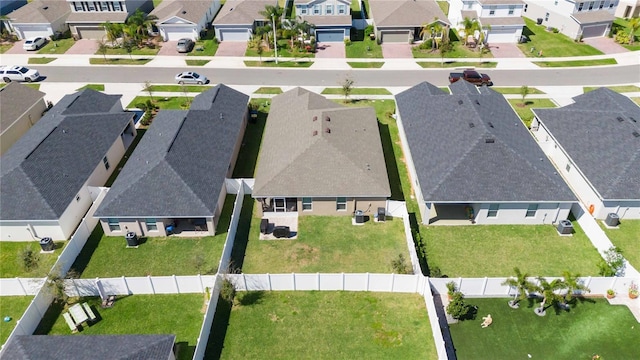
(18, 73)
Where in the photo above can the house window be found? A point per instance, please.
(512, 9)
(316, 9)
(531, 210)
(307, 204)
(469, 5)
(555, 3)
(77, 197)
(591, 6)
(568, 167)
(116, 6)
(341, 204)
(303, 11)
(342, 9)
(526, 6)
(329, 10)
(114, 224)
(546, 17)
(492, 11)
(92, 6)
(77, 6)
(151, 224)
(493, 210)
(104, 6)
(601, 5)
(580, 6)
(105, 161)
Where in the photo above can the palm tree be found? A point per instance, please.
(141, 23)
(634, 25)
(572, 285)
(470, 26)
(549, 295)
(523, 287)
(432, 30)
(113, 31)
(275, 11)
(262, 32)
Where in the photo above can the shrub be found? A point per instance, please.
(368, 30)
(228, 291)
(613, 262)
(29, 258)
(622, 37)
(347, 42)
(427, 44)
(457, 307)
(435, 272)
(451, 288)
(400, 266)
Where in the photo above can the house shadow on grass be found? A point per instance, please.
(81, 262)
(218, 332)
(184, 351)
(242, 233)
(390, 162)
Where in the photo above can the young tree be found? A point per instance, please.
(549, 293)
(444, 49)
(523, 287)
(433, 31)
(470, 26)
(400, 265)
(347, 87)
(128, 47)
(149, 89)
(260, 50)
(634, 25)
(613, 262)
(572, 285)
(102, 49)
(141, 23)
(113, 31)
(524, 91)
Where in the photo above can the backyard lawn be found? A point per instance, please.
(13, 307)
(592, 327)
(11, 264)
(248, 155)
(107, 256)
(551, 44)
(178, 314)
(627, 238)
(326, 325)
(524, 112)
(206, 46)
(494, 250)
(327, 244)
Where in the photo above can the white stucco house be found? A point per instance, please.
(86, 17)
(595, 145)
(401, 21)
(628, 9)
(179, 19)
(39, 18)
(331, 18)
(237, 20)
(501, 19)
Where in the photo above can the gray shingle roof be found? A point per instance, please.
(82, 347)
(40, 12)
(15, 100)
(472, 147)
(412, 13)
(241, 12)
(604, 149)
(591, 17)
(181, 163)
(44, 170)
(190, 10)
(300, 157)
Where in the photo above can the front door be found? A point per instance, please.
(279, 205)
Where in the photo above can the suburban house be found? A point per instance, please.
(501, 20)
(179, 19)
(320, 158)
(82, 347)
(176, 175)
(576, 19)
(40, 18)
(49, 177)
(238, 19)
(471, 159)
(595, 144)
(331, 18)
(87, 16)
(402, 21)
(628, 9)
(20, 108)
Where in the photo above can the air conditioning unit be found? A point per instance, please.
(612, 220)
(132, 239)
(359, 217)
(565, 227)
(46, 243)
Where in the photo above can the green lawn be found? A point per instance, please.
(180, 88)
(620, 89)
(206, 46)
(97, 87)
(494, 250)
(624, 24)
(5, 47)
(13, 307)
(551, 44)
(40, 60)
(248, 155)
(57, 47)
(164, 103)
(356, 91)
(117, 61)
(178, 314)
(134, 51)
(576, 63)
(196, 62)
(627, 238)
(327, 244)
(108, 256)
(11, 261)
(636, 99)
(365, 65)
(431, 64)
(364, 49)
(327, 325)
(33, 86)
(283, 51)
(268, 90)
(524, 112)
(281, 63)
(591, 327)
(515, 90)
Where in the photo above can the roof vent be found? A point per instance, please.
(315, 118)
(490, 124)
(459, 102)
(636, 134)
(472, 125)
(327, 118)
(221, 116)
(315, 132)
(489, 140)
(632, 119)
(45, 7)
(620, 119)
(184, 11)
(477, 102)
(327, 130)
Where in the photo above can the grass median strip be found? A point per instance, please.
(356, 91)
(96, 87)
(619, 89)
(268, 90)
(366, 65)
(270, 63)
(524, 111)
(515, 90)
(450, 64)
(117, 61)
(41, 60)
(179, 88)
(196, 62)
(576, 63)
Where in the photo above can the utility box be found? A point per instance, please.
(46, 243)
(382, 214)
(264, 226)
(132, 238)
(612, 220)
(359, 217)
(565, 227)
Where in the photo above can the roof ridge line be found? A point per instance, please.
(457, 163)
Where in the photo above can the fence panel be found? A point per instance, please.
(307, 282)
(405, 283)
(380, 282)
(190, 284)
(223, 266)
(282, 282)
(134, 285)
(356, 282)
(205, 329)
(471, 286)
(331, 282)
(434, 320)
(163, 285)
(20, 286)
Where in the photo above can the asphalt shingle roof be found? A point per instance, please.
(44, 170)
(82, 347)
(590, 17)
(605, 149)
(300, 156)
(190, 10)
(40, 12)
(15, 100)
(242, 12)
(471, 146)
(413, 13)
(180, 165)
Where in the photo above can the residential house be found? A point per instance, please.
(48, 178)
(402, 21)
(238, 19)
(501, 20)
(21, 107)
(320, 158)
(595, 144)
(331, 18)
(179, 19)
(576, 19)
(628, 9)
(176, 175)
(472, 160)
(81, 347)
(87, 16)
(40, 18)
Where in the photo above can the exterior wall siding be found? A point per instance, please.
(21, 125)
(20, 230)
(515, 213)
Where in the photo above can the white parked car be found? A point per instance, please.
(18, 73)
(34, 43)
(189, 77)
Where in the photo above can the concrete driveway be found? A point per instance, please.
(231, 48)
(397, 51)
(331, 50)
(506, 50)
(169, 48)
(83, 47)
(606, 45)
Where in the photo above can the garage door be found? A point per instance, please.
(593, 31)
(234, 35)
(175, 34)
(91, 33)
(330, 35)
(31, 33)
(501, 36)
(395, 37)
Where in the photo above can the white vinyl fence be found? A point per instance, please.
(241, 188)
(20, 286)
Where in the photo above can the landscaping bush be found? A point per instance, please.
(29, 258)
(613, 262)
(228, 291)
(400, 265)
(368, 30)
(347, 42)
(457, 308)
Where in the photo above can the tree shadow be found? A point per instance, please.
(218, 332)
(251, 298)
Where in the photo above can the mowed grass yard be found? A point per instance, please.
(551, 44)
(328, 244)
(627, 238)
(328, 325)
(13, 307)
(494, 250)
(591, 327)
(11, 264)
(178, 314)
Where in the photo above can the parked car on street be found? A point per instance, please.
(34, 43)
(189, 77)
(471, 76)
(18, 73)
(185, 45)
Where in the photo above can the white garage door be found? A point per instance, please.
(594, 31)
(175, 34)
(502, 36)
(31, 33)
(234, 35)
(91, 33)
(401, 36)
